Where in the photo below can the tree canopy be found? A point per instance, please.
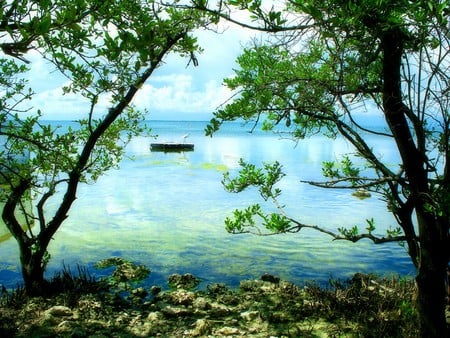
(329, 65)
(106, 51)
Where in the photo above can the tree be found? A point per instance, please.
(329, 61)
(106, 50)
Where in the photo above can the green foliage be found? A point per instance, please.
(344, 170)
(351, 233)
(253, 217)
(370, 225)
(264, 178)
(330, 65)
(394, 232)
(323, 78)
(273, 83)
(106, 51)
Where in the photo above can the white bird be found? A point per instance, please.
(185, 137)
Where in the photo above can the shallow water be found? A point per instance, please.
(166, 210)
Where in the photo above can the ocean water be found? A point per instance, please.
(167, 211)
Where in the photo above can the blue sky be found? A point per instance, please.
(174, 92)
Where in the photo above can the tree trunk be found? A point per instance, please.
(431, 291)
(432, 256)
(33, 268)
(32, 250)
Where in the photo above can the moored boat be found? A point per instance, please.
(171, 146)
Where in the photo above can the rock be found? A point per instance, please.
(69, 328)
(186, 281)
(154, 316)
(139, 292)
(141, 330)
(125, 271)
(59, 311)
(218, 310)
(201, 303)
(270, 278)
(182, 297)
(202, 327)
(130, 272)
(268, 287)
(266, 309)
(155, 290)
(361, 193)
(55, 314)
(64, 326)
(217, 289)
(279, 317)
(227, 331)
(175, 311)
(249, 315)
(89, 304)
(247, 285)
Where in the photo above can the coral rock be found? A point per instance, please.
(59, 311)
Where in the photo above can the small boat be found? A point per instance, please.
(171, 147)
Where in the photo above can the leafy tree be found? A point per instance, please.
(329, 62)
(106, 50)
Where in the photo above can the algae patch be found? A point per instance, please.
(213, 166)
(202, 166)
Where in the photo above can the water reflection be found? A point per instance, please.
(167, 211)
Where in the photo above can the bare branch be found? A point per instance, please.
(370, 182)
(354, 238)
(267, 27)
(298, 226)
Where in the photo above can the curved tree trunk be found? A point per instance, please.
(34, 248)
(432, 256)
(31, 250)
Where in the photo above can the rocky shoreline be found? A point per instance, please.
(267, 307)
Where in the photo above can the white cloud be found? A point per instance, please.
(175, 91)
(179, 96)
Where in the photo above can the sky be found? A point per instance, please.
(176, 91)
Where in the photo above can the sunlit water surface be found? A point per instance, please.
(167, 210)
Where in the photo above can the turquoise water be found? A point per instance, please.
(166, 210)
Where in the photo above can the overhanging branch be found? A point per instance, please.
(298, 226)
(353, 238)
(369, 182)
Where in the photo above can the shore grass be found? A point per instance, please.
(76, 304)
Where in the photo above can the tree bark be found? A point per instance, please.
(33, 268)
(433, 257)
(31, 250)
(431, 290)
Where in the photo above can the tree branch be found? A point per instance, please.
(9, 208)
(298, 226)
(268, 27)
(371, 182)
(113, 114)
(353, 238)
